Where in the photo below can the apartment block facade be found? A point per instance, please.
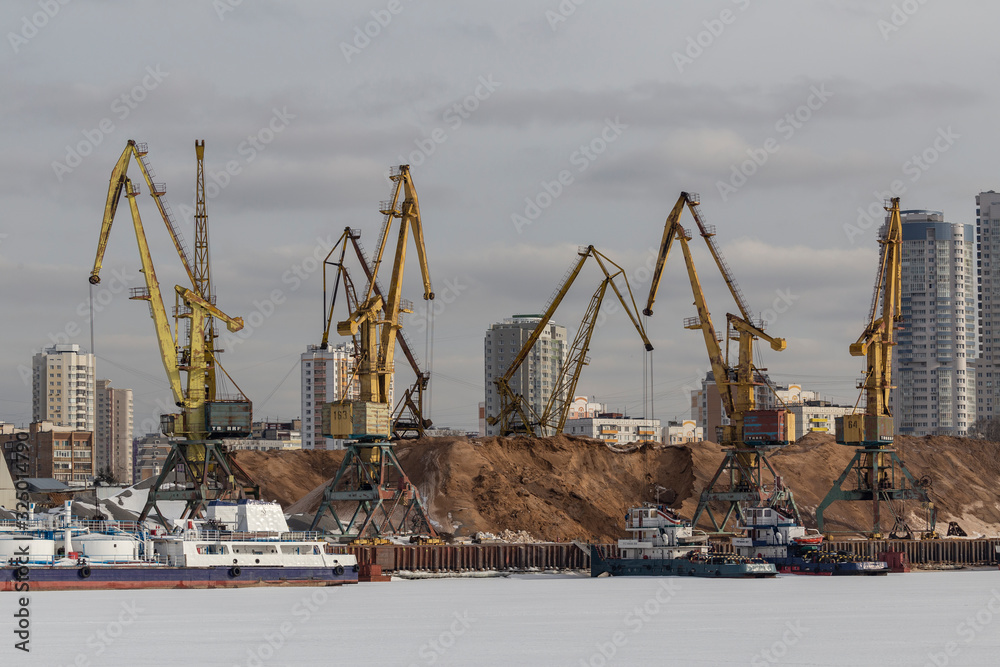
(536, 377)
(987, 366)
(615, 428)
(113, 437)
(933, 361)
(326, 377)
(61, 453)
(62, 388)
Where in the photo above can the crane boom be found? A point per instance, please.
(151, 293)
(156, 190)
(671, 230)
(878, 338)
(408, 415)
(554, 414)
(564, 386)
(409, 213)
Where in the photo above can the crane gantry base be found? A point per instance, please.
(385, 501)
(880, 463)
(205, 470)
(741, 481)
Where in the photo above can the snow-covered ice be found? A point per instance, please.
(927, 618)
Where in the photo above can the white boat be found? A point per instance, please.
(237, 544)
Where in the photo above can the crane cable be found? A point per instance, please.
(429, 355)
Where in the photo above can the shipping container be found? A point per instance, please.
(228, 419)
(878, 430)
(354, 420)
(767, 427)
(860, 429)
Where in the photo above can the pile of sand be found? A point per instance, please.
(564, 487)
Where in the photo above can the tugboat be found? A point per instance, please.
(779, 540)
(663, 544)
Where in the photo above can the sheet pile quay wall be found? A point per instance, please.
(570, 556)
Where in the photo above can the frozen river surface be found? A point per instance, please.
(930, 618)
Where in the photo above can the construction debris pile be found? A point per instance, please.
(508, 536)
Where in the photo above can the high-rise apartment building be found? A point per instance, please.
(934, 355)
(62, 389)
(113, 438)
(535, 378)
(987, 365)
(326, 377)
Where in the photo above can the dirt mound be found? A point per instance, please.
(565, 487)
(287, 476)
(963, 476)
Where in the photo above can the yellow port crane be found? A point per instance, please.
(408, 417)
(198, 270)
(208, 471)
(516, 415)
(370, 476)
(743, 476)
(877, 475)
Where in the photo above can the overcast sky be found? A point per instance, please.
(787, 117)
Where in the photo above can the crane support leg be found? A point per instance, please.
(744, 478)
(877, 475)
(386, 502)
(204, 471)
